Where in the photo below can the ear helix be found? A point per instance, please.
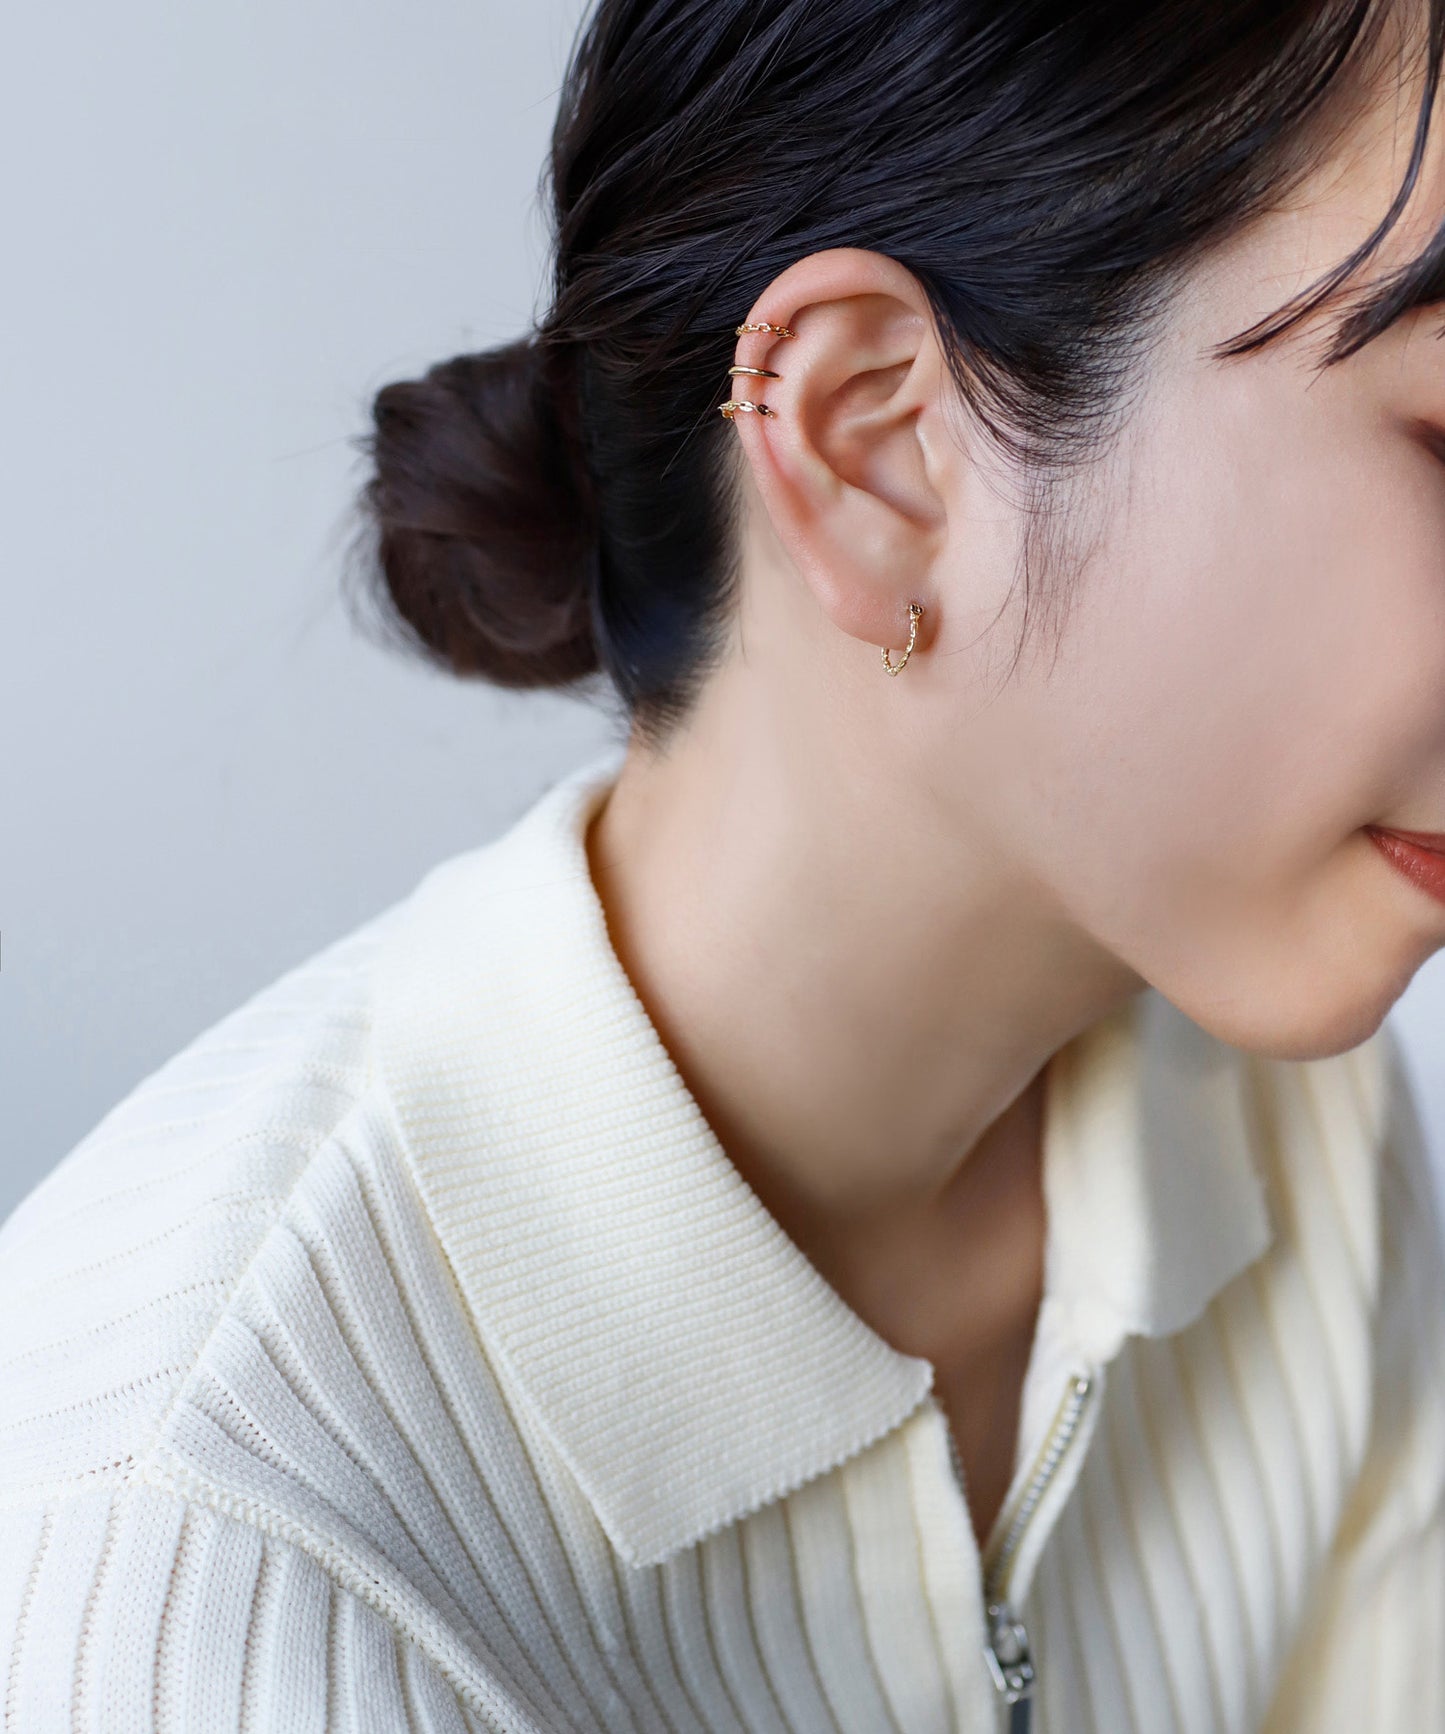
(734, 405)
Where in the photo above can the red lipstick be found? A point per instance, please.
(1419, 855)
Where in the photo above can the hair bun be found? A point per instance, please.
(480, 518)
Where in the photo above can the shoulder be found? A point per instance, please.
(116, 1269)
(239, 1373)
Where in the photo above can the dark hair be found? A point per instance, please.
(564, 505)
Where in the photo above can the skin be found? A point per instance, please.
(864, 912)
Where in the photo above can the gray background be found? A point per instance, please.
(226, 226)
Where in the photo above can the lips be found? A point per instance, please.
(1423, 863)
(1431, 840)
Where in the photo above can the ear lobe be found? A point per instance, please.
(841, 466)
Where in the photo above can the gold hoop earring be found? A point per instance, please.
(734, 404)
(914, 610)
(753, 373)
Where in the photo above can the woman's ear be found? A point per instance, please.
(851, 463)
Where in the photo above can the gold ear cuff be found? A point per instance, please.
(734, 404)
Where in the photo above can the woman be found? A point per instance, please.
(888, 1203)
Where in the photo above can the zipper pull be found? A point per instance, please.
(1011, 1664)
(1007, 1652)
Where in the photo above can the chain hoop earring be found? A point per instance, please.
(914, 610)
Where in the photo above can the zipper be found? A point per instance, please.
(1006, 1639)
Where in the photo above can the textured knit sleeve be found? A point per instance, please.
(1371, 1656)
(129, 1611)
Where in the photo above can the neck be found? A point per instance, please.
(862, 1009)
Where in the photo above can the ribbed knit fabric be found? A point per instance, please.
(405, 1355)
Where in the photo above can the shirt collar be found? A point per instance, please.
(685, 1358)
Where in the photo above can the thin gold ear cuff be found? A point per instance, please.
(914, 610)
(734, 404)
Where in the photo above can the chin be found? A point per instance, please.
(1314, 978)
(1314, 1025)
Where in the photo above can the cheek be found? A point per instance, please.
(1254, 669)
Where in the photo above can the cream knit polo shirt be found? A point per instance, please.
(406, 1355)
